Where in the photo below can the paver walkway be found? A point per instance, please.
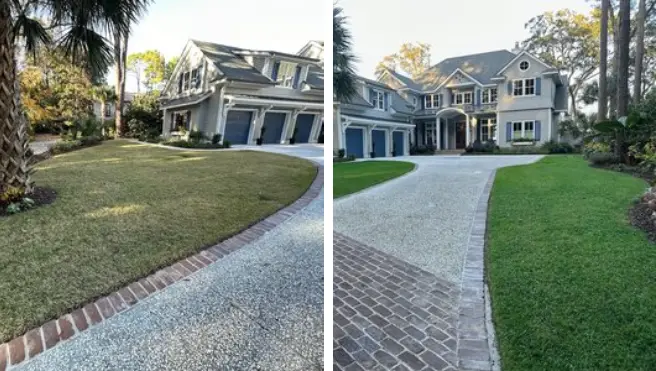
(409, 238)
(259, 308)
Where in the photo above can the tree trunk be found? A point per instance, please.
(15, 169)
(572, 98)
(640, 51)
(118, 105)
(615, 62)
(603, 63)
(623, 71)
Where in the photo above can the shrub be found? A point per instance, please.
(196, 136)
(555, 147)
(422, 150)
(341, 152)
(603, 158)
(145, 109)
(10, 195)
(216, 138)
(197, 145)
(595, 147)
(63, 146)
(349, 158)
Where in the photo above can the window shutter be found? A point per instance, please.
(274, 72)
(538, 85)
(510, 88)
(297, 76)
(199, 77)
(188, 123)
(538, 130)
(478, 97)
(508, 131)
(423, 101)
(453, 99)
(386, 101)
(180, 83)
(441, 99)
(371, 96)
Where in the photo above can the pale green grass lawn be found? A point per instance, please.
(124, 210)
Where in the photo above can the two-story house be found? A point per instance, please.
(244, 94)
(512, 98)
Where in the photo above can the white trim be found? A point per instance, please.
(528, 65)
(278, 103)
(439, 104)
(453, 74)
(550, 123)
(201, 98)
(523, 80)
(523, 135)
(353, 119)
(489, 96)
(378, 94)
(523, 52)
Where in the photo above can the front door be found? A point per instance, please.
(461, 136)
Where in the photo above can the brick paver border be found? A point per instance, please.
(66, 327)
(476, 347)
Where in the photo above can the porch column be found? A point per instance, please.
(221, 114)
(438, 134)
(447, 144)
(288, 126)
(389, 146)
(413, 138)
(406, 146)
(367, 142)
(316, 127)
(467, 131)
(256, 127)
(165, 121)
(338, 141)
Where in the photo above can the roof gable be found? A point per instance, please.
(229, 64)
(518, 56)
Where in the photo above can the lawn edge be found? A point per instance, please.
(377, 185)
(475, 322)
(36, 341)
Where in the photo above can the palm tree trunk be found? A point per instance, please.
(640, 51)
(603, 63)
(623, 71)
(120, 80)
(615, 62)
(15, 169)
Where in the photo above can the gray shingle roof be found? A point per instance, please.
(231, 65)
(482, 67)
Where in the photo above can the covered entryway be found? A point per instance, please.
(274, 122)
(399, 143)
(303, 128)
(237, 127)
(379, 142)
(355, 142)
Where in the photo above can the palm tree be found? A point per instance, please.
(343, 58)
(623, 71)
(603, 62)
(640, 51)
(79, 24)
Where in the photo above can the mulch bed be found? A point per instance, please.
(40, 195)
(640, 217)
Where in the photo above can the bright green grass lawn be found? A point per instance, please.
(122, 211)
(573, 284)
(349, 177)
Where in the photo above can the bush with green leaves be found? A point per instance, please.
(216, 138)
(196, 136)
(595, 146)
(197, 145)
(144, 108)
(555, 147)
(603, 158)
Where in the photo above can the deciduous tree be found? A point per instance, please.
(412, 58)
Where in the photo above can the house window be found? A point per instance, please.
(414, 101)
(194, 77)
(378, 100)
(285, 74)
(462, 98)
(429, 138)
(187, 81)
(488, 129)
(180, 120)
(489, 95)
(524, 87)
(524, 65)
(432, 101)
(523, 130)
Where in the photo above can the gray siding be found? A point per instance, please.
(541, 115)
(544, 100)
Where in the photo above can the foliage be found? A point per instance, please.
(421, 149)
(555, 147)
(198, 145)
(522, 140)
(216, 139)
(196, 136)
(595, 146)
(412, 58)
(148, 68)
(344, 76)
(63, 146)
(578, 127)
(349, 158)
(568, 41)
(10, 195)
(169, 67)
(603, 158)
(479, 147)
(341, 152)
(54, 90)
(148, 118)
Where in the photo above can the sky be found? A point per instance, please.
(282, 25)
(452, 27)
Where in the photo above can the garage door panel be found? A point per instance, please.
(379, 138)
(274, 122)
(237, 127)
(304, 127)
(355, 142)
(399, 144)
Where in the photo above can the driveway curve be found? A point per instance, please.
(423, 218)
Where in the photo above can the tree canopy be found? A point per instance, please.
(148, 67)
(412, 58)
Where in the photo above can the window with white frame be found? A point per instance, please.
(432, 101)
(524, 87)
(462, 98)
(378, 100)
(523, 65)
(489, 95)
(488, 129)
(430, 137)
(523, 130)
(180, 120)
(286, 73)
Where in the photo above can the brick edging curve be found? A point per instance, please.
(69, 325)
(476, 344)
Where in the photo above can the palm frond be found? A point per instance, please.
(32, 31)
(84, 44)
(344, 77)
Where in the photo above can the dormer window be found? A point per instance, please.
(285, 74)
(378, 100)
(462, 98)
(524, 87)
(432, 101)
(524, 65)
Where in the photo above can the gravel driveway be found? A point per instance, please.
(423, 218)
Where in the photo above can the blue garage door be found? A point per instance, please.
(238, 124)
(378, 137)
(304, 126)
(354, 142)
(399, 145)
(273, 124)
